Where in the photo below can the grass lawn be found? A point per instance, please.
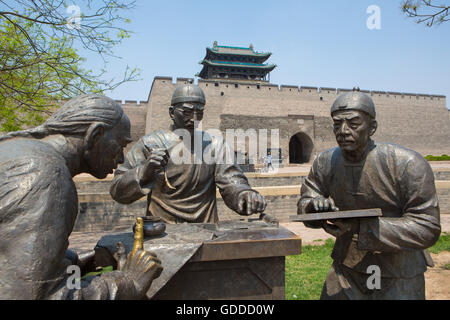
(306, 273)
(443, 243)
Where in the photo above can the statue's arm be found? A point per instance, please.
(109, 286)
(419, 227)
(126, 186)
(229, 178)
(131, 282)
(312, 188)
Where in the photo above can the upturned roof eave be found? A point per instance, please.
(237, 65)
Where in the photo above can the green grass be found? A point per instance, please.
(443, 244)
(306, 273)
(96, 273)
(444, 157)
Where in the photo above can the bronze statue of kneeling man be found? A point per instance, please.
(362, 174)
(39, 203)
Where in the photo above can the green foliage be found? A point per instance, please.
(306, 273)
(444, 157)
(39, 66)
(443, 244)
(31, 84)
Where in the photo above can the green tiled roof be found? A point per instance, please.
(239, 64)
(245, 51)
(231, 47)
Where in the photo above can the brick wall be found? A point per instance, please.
(97, 211)
(420, 122)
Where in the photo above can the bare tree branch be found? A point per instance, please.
(425, 11)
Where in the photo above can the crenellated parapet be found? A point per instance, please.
(132, 103)
(402, 116)
(276, 90)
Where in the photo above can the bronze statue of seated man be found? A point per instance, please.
(39, 203)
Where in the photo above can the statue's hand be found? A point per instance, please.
(120, 256)
(142, 267)
(154, 164)
(339, 227)
(251, 201)
(321, 204)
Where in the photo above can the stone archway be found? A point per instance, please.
(300, 148)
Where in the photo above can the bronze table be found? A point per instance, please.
(228, 260)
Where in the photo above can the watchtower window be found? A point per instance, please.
(236, 85)
(216, 84)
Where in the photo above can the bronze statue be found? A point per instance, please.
(362, 174)
(39, 204)
(184, 192)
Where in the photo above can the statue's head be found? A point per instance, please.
(94, 123)
(353, 115)
(187, 104)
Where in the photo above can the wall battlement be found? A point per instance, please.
(274, 88)
(402, 117)
(132, 103)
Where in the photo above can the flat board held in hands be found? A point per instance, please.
(336, 215)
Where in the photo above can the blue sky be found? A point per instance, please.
(313, 43)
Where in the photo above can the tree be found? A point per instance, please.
(39, 65)
(426, 11)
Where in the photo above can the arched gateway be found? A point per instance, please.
(300, 148)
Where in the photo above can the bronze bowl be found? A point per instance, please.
(153, 226)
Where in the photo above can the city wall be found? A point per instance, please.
(417, 121)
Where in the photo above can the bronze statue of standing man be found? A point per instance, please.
(184, 192)
(362, 174)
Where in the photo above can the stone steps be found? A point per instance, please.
(88, 184)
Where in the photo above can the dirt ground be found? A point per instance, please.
(437, 279)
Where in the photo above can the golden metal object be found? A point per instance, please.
(167, 181)
(138, 236)
(168, 184)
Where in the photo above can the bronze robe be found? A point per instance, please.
(38, 209)
(194, 199)
(397, 180)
